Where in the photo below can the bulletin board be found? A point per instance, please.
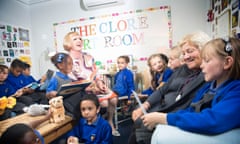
(138, 33)
(14, 43)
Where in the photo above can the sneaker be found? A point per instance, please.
(115, 133)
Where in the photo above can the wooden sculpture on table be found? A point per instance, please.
(57, 109)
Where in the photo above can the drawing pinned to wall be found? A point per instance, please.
(224, 4)
(14, 42)
(2, 60)
(235, 4)
(23, 34)
(235, 19)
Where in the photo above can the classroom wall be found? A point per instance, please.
(187, 16)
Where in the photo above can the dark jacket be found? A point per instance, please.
(164, 99)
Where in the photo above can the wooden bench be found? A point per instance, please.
(50, 131)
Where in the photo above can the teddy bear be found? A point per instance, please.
(57, 109)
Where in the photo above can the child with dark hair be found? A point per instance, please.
(7, 90)
(19, 82)
(27, 73)
(64, 63)
(24, 133)
(91, 128)
(159, 70)
(124, 79)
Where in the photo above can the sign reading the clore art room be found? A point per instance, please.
(139, 33)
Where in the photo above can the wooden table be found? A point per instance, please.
(50, 131)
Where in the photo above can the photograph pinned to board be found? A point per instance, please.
(235, 4)
(234, 19)
(23, 34)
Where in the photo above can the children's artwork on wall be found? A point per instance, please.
(14, 42)
(223, 27)
(2, 60)
(226, 22)
(235, 4)
(235, 19)
(139, 33)
(23, 34)
(224, 4)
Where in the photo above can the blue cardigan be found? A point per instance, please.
(221, 117)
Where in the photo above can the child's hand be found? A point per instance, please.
(72, 140)
(18, 93)
(129, 102)
(43, 78)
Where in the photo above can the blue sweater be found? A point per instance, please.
(221, 117)
(6, 89)
(99, 132)
(124, 83)
(54, 83)
(17, 82)
(166, 74)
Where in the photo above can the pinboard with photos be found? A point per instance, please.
(14, 43)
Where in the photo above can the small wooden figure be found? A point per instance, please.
(57, 109)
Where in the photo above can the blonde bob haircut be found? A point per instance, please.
(67, 41)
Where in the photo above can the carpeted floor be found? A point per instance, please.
(125, 130)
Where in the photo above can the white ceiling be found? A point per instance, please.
(30, 2)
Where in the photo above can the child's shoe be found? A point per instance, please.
(115, 133)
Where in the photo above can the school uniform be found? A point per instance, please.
(215, 120)
(7, 90)
(18, 82)
(164, 76)
(124, 83)
(177, 93)
(56, 82)
(71, 103)
(99, 132)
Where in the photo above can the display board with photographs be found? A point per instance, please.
(14, 43)
(226, 18)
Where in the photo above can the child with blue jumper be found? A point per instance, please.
(64, 64)
(159, 70)
(213, 116)
(91, 128)
(19, 82)
(124, 79)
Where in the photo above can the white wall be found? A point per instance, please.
(187, 16)
(15, 13)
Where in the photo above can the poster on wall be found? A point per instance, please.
(14, 43)
(139, 33)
